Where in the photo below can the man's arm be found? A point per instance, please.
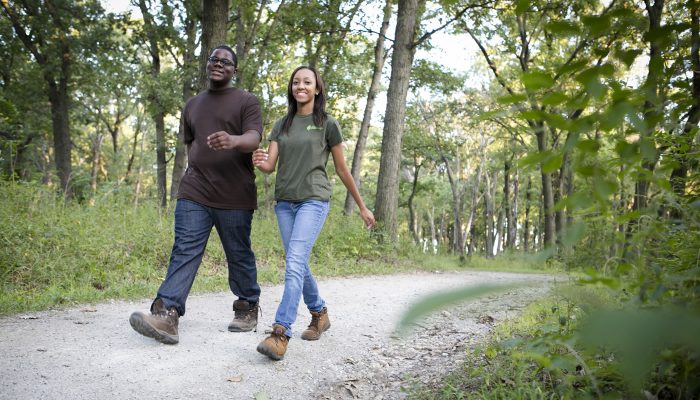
(245, 143)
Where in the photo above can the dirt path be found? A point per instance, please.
(91, 351)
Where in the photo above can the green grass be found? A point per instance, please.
(517, 363)
(57, 254)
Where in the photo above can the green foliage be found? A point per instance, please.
(430, 303)
(57, 254)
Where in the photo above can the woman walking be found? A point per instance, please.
(300, 143)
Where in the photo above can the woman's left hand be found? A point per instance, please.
(368, 217)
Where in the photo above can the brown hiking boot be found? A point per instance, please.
(160, 324)
(275, 345)
(245, 316)
(319, 324)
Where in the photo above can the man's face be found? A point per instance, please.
(221, 69)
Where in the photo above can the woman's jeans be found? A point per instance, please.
(300, 224)
(193, 224)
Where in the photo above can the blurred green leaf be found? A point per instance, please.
(597, 24)
(554, 99)
(628, 56)
(439, 301)
(552, 163)
(626, 150)
(536, 80)
(604, 187)
(521, 6)
(588, 146)
(533, 158)
(573, 234)
(511, 99)
(563, 27)
(638, 336)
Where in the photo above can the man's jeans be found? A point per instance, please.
(299, 224)
(193, 224)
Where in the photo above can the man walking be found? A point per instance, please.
(222, 126)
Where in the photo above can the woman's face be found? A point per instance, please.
(304, 86)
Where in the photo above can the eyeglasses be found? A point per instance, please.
(226, 62)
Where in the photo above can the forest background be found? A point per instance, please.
(569, 141)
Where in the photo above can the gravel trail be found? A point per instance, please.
(91, 352)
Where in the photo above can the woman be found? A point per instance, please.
(301, 142)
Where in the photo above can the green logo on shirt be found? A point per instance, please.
(313, 128)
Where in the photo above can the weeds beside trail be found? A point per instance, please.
(56, 254)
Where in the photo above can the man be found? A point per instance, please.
(222, 126)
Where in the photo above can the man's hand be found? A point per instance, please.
(221, 141)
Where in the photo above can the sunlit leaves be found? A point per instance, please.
(563, 27)
(536, 80)
(597, 24)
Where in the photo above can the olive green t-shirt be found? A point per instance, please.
(303, 154)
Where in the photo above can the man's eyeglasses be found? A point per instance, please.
(226, 62)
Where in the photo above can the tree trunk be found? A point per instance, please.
(412, 220)
(468, 230)
(526, 225)
(96, 150)
(358, 155)
(180, 160)
(488, 217)
(652, 109)
(513, 223)
(214, 29)
(58, 92)
(506, 203)
(387, 197)
(684, 145)
(547, 192)
(58, 97)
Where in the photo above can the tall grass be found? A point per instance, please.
(55, 254)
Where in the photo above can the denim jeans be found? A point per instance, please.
(193, 224)
(300, 224)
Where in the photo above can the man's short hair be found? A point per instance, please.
(230, 50)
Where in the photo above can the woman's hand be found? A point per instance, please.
(266, 160)
(259, 157)
(368, 217)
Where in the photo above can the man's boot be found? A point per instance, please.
(245, 316)
(275, 345)
(160, 324)
(319, 324)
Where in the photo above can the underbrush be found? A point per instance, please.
(55, 254)
(628, 329)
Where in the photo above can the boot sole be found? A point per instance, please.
(264, 350)
(311, 338)
(137, 322)
(237, 329)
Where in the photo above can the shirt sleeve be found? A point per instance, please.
(333, 134)
(187, 132)
(274, 135)
(252, 116)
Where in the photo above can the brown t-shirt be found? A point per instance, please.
(225, 178)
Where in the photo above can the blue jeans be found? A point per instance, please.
(300, 224)
(193, 224)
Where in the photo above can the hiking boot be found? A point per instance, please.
(160, 324)
(319, 324)
(245, 316)
(275, 345)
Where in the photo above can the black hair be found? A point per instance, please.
(230, 50)
(319, 113)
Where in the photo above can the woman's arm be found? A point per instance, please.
(341, 168)
(266, 160)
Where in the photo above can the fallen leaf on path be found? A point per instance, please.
(237, 378)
